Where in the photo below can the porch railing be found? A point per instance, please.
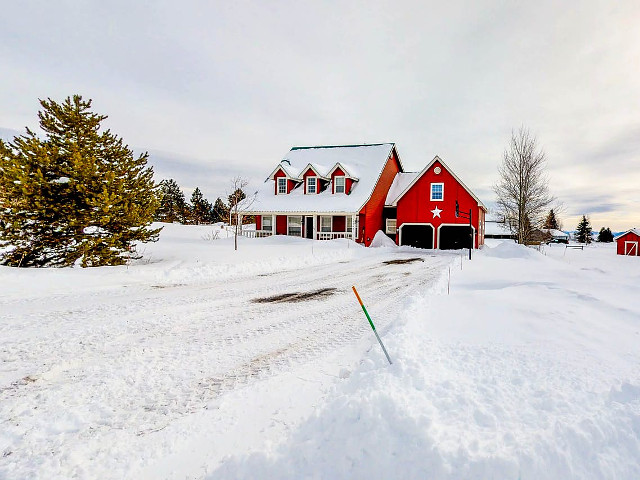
(332, 235)
(256, 233)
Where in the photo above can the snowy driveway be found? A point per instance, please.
(88, 372)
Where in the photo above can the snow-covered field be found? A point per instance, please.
(195, 363)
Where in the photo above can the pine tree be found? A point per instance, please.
(605, 235)
(77, 194)
(173, 205)
(551, 222)
(583, 232)
(220, 212)
(201, 208)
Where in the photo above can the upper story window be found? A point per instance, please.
(437, 191)
(312, 185)
(282, 185)
(339, 185)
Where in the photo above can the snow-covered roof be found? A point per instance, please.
(556, 233)
(400, 183)
(425, 169)
(496, 228)
(632, 230)
(363, 163)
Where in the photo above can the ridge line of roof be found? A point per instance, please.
(343, 146)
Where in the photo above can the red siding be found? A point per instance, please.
(339, 223)
(258, 222)
(628, 237)
(347, 185)
(416, 205)
(281, 225)
(370, 219)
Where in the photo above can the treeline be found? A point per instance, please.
(174, 208)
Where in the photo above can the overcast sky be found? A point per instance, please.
(214, 89)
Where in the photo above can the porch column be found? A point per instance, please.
(273, 225)
(315, 227)
(354, 227)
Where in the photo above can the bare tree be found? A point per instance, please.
(523, 187)
(238, 204)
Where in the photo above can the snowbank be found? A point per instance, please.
(527, 370)
(382, 240)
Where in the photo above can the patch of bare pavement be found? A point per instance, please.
(296, 296)
(403, 261)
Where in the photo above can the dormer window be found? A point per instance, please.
(339, 185)
(312, 185)
(282, 185)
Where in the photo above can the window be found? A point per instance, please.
(282, 185)
(267, 222)
(339, 188)
(391, 226)
(311, 184)
(325, 224)
(349, 223)
(294, 226)
(437, 191)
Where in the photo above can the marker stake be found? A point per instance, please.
(373, 327)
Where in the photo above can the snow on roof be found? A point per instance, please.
(496, 228)
(400, 182)
(362, 162)
(556, 233)
(425, 169)
(632, 230)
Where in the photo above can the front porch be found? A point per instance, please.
(311, 226)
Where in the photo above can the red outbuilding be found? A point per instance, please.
(628, 243)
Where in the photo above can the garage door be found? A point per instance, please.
(420, 236)
(453, 237)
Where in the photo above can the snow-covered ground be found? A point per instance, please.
(194, 363)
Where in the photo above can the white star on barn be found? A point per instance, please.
(436, 212)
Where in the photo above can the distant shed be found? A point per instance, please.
(628, 243)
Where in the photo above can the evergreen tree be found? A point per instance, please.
(236, 197)
(201, 208)
(220, 212)
(605, 235)
(173, 205)
(78, 194)
(583, 232)
(551, 222)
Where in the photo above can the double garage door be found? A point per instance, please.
(452, 237)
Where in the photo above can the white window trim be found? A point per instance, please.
(315, 185)
(431, 192)
(349, 219)
(330, 223)
(289, 224)
(278, 192)
(335, 183)
(395, 226)
(270, 217)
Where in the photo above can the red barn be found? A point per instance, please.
(628, 243)
(353, 191)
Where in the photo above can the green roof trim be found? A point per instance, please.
(343, 146)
